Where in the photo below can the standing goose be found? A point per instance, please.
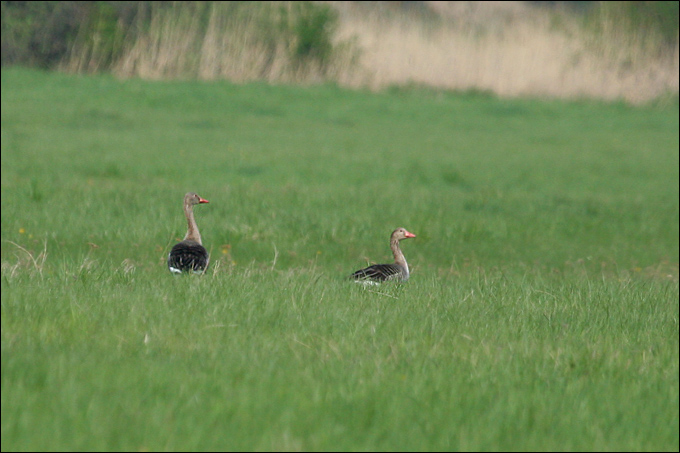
(189, 255)
(383, 272)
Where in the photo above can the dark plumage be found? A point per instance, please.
(189, 255)
(379, 272)
(384, 272)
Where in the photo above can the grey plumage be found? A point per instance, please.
(398, 270)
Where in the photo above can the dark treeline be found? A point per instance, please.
(44, 33)
(49, 34)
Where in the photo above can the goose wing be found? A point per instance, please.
(187, 256)
(379, 272)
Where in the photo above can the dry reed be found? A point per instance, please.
(508, 48)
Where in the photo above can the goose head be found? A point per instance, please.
(192, 198)
(401, 233)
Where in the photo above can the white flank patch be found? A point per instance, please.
(174, 270)
(367, 282)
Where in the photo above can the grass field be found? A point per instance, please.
(541, 314)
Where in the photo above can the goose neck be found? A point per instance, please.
(192, 229)
(398, 255)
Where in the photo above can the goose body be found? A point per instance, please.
(189, 255)
(397, 271)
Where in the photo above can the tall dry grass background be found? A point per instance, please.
(238, 41)
(509, 48)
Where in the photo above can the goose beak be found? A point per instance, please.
(410, 235)
(202, 200)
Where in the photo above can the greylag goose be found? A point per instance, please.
(383, 272)
(189, 255)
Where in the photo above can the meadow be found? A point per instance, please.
(541, 313)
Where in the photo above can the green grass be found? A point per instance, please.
(542, 311)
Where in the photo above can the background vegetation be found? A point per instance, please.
(270, 40)
(542, 312)
(607, 50)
